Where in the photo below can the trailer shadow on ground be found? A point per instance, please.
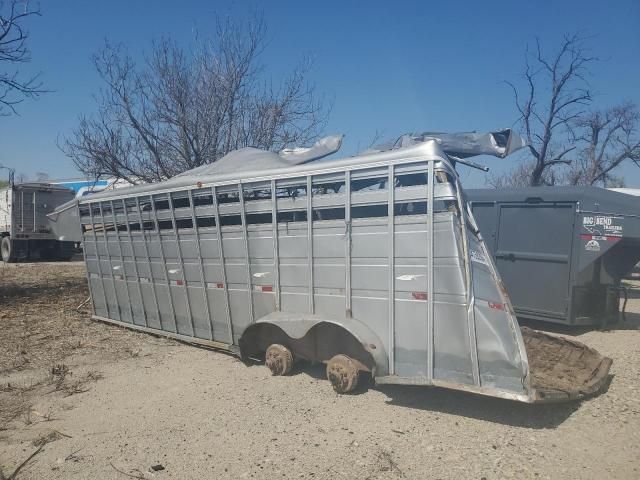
(41, 290)
(463, 404)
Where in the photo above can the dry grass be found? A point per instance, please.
(43, 328)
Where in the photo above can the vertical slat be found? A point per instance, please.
(179, 253)
(196, 230)
(310, 243)
(106, 247)
(276, 250)
(95, 242)
(347, 243)
(430, 289)
(22, 211)
(84, 255)
(135, 265)
(146, 252)
(392, 263)
(34, 211)
(164, 258)
(245, 240)
(124, 270)
(223, 265)
(470, 296)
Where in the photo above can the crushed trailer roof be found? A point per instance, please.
(252, 162)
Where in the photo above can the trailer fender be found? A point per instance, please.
(316, 338)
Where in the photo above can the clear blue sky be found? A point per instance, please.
(389, 66)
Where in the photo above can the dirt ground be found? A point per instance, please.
(95, 401)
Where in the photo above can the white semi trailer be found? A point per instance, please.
(24, 228)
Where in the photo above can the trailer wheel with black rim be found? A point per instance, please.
(8, 254)
(343, 373)
(279, 359)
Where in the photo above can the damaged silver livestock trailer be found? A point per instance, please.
(371, 263)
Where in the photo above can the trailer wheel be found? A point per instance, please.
(8, 255)
(342, 373)
(279, 359)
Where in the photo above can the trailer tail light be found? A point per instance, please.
(419, 295)
(264, 288)
(496, 306)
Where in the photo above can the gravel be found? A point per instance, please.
(149, 402)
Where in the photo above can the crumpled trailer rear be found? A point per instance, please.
(372, 263)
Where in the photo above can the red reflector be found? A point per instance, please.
(267, 288)
(419, 295)
(219, 285)
(497, 306)
(179, 282)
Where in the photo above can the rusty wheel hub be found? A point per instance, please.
(279, 359)
(342, 373)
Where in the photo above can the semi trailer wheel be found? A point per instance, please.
(342, 373)
(8, 254)
(279, 359)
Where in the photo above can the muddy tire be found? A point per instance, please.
(278, 359)
(6, 247)
(342, 373)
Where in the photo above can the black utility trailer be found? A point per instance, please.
(561, 251)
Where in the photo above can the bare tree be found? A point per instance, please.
(520, 176)
(185, 108)
(607, 139)
(555, 95)
(14, 51)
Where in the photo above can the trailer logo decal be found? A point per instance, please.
(610, 238)
(592, 246)
(603, 225)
